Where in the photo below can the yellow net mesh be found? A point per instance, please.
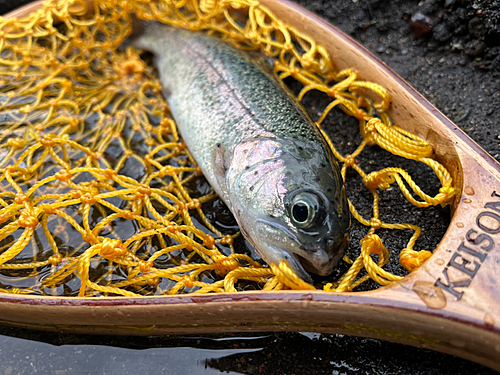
(96, 188)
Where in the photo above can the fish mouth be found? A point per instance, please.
(325, 269)
(300, 258)
(299, 269)
(274, 252)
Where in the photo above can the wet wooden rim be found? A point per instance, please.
(451, 304)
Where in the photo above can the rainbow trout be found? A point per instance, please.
(256, 146)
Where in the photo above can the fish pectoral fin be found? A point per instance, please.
(219, 162)
(220, 166)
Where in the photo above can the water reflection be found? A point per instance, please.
(27, 352)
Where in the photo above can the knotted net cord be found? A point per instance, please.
(79, 116)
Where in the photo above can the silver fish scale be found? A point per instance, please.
(186, 58)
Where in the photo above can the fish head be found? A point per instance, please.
(290, 205)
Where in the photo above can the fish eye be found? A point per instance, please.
(300, 212)
(307, 210)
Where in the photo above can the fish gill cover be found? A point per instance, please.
(99, 195)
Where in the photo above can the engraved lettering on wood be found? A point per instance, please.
(470, 254)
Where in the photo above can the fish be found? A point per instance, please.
(256, 146)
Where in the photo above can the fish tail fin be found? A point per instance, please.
(138, 28)
(138, 25)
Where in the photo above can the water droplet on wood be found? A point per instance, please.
(488, 319)
(432, 295)
(469, 190)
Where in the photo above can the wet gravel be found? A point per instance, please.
(449, 51)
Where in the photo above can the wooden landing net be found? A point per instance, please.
(98, 195)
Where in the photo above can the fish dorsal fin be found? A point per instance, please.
(263, 61)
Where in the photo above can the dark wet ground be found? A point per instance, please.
(449, 51)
